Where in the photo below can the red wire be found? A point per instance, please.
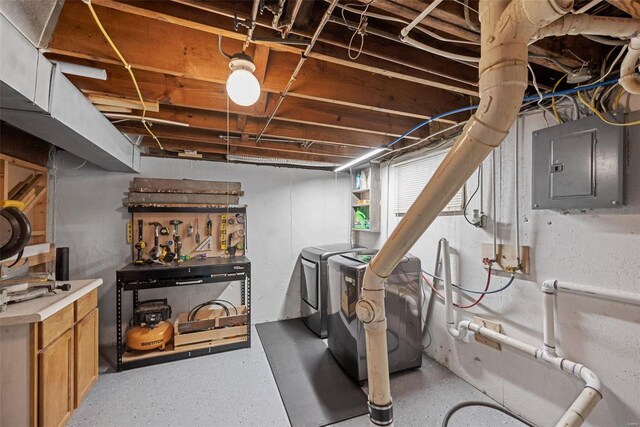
(473, 304)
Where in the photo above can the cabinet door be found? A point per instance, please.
(86, 356)
(55, 400)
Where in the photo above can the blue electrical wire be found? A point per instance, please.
(475, 292)
(527, 99)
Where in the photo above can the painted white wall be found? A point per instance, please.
(288, 209)
(595, 247)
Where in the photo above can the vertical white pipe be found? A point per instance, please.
(448, 294)
(494, 212)
(516, 174)
(548, 320)
(482, 187)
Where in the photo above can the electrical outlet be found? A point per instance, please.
(507, 258)
(494, 326)
(129, 232)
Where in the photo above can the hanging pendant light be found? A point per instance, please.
(242, 86)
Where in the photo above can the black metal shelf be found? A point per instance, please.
(134, 278)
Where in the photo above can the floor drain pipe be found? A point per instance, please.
(508, 27)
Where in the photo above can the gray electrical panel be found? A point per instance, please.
(578, 165)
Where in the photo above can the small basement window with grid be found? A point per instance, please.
(410, 177)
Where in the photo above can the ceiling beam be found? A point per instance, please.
(211, 123)
(442, 17)
(441, 73)
(194, 54)
(219, 147)
(189, 93)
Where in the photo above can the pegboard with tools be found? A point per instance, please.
(177, 235)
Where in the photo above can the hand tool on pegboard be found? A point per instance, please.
(155, 251)
(223, 232)
(176, 237)
(207, 244)
(140, 244)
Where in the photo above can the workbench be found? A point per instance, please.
(135, 278)
(48, 355)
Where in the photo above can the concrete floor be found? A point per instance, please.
(237, 389)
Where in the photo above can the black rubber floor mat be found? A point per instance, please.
(314, 389)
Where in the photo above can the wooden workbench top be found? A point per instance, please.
(36, 310)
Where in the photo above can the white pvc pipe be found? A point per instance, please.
(587, 6)
(628, 77)
(597, 292)
(448, 292)
(516, 184)
(548, 318)
(420, 17)
(506, 29)
(588, 398)
(591, 25)
(412, 42)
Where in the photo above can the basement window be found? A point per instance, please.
(409, 178)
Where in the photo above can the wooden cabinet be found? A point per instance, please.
(67, 360)
(86, 355)
(48, 356)
(55, 381)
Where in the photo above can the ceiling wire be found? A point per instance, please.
(127, 66)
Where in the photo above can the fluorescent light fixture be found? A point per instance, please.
(360, 159)
(81, 70)
(242, 86)
(279, 161)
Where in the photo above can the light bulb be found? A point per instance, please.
(242, 86)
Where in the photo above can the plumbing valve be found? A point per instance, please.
(479, 219)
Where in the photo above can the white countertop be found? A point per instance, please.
(36, 310)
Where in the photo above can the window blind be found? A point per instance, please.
(410, 177)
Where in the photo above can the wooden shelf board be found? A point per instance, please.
(362, 190)
(361, 205)
(130, 356)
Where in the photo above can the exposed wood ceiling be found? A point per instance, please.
(336, 108)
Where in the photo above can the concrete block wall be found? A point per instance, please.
(594, 247)
(288, 209)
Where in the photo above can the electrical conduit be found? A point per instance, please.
(508, 27)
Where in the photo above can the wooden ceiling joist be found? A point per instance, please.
(438, 72)
(337, 107)
(120, 101)
(210, 123)
(209, 147)
(448, 19)
(150, 50)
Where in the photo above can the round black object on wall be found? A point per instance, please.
(15, 231)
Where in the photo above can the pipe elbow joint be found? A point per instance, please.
(628, 77)
(460, 331)
(591, 380)
(549, 287)
(542, 13)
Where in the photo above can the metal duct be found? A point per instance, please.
(34, 19)
(36, 97)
